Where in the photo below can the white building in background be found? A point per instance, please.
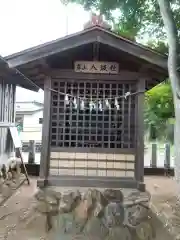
(30, 115)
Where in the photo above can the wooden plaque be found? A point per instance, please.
(96, 67)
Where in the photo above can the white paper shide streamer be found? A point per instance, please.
(99, 105)
(91, 105)
(82, 105)
(107, 104)
(116, 104)
(66, 99)
(75, 103)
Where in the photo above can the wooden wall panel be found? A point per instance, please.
(92, 164)
(7, 118)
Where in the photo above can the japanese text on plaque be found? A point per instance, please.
(96, 67)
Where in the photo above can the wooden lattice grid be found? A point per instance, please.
(109, 128)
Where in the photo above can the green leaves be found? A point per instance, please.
(133, 18)
(141, 20)
(159, 101)
(159, 109)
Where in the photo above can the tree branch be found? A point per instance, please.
(172, 38)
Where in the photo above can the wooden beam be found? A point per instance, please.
(139, 168)
(133, 49)
(51, 49)
(7, 124)
(44, 162)
(37, 77)
(91, 182)
(152, 69)
(122, 76)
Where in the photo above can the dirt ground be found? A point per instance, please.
(17, 221)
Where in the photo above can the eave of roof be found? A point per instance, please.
(94, 34)
(14, 77)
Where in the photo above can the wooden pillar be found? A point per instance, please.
(154, 155)
(139, 172)
(45, 150)
(167, 160)
(32, 152)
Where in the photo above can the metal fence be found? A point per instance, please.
(159, 155)
(26, 147)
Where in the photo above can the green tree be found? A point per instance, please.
(159, 109)
(160, 18)
(134, 18)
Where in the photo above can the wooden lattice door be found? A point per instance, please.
(96, 140)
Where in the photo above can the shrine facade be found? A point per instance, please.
(94, 83)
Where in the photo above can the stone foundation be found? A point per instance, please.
(94, 214)
(10, 179)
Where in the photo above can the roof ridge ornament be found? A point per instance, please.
(97, 20)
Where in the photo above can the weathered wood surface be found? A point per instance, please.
(7, 118)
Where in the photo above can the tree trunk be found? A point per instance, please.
(177, 142)
(172, 38)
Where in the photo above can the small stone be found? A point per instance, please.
(114, 195)
(113, 215)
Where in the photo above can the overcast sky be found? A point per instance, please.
(27, 23)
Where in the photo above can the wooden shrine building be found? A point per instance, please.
(94, 83)
(9, 79)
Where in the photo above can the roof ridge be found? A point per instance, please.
(79, 33)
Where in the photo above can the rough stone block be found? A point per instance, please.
(113, 215)
(113, 195)
(95, 228)
(69, 201)
(94, 214)
(120, 233)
